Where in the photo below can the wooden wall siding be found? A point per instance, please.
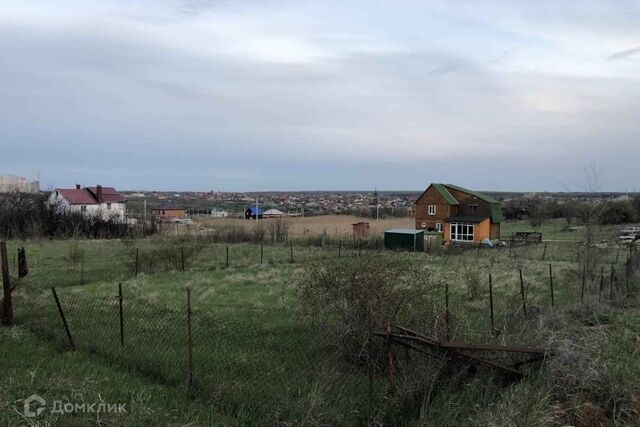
(464, 200)
(482, 231)
(495, 231)
(431, 197)
(171, 213)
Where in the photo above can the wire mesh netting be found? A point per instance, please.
(243, 363)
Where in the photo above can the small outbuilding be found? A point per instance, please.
(360, 230)
(253, 213)
(404, 238)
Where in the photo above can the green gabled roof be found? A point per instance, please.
(467, 218)
(481, 196)
(445, 193)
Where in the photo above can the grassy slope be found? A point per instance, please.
(260, 362)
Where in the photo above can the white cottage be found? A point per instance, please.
(106, 202)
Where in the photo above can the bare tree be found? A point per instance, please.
(591, 213)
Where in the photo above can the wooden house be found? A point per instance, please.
(461, 215)
(168, 212)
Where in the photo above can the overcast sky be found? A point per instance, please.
(318, 95)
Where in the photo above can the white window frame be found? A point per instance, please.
(439, 227)
(475, 211)
(462, 232)
(424, 225)
(431, 210)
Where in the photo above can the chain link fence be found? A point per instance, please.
(240, 361)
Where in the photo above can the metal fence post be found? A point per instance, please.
(7, 303)
(392, 366)
(493, 329)
(551, 286)
(446, 311)
(601, 284)
(291, 250)
(189, 343)
(524, 303)
(544, 252)
(611, 274)
(182, 257)
(227, 263)
(82, 270)
(584, 280)
(121, 312)
(137, 260)
(261, 252)
(339, 248)
(64, 320)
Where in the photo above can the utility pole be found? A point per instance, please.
(256, 208)
(376, 204)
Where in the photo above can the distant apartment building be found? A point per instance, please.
(105, 202)
(18, 184)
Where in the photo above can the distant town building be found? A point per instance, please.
(105, 202)
(168, 211)
(18, 184)
(219, 214)
(273, 213)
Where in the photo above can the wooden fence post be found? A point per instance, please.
(551, 285)
(493, 328)
(121, 312)
(524, 303)
(369, 362)
(189, 343)
(7, 303)
(72, 344)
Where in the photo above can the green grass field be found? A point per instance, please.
(257, 358)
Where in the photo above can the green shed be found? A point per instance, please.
(404, 238)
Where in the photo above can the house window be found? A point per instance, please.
(108, 206)
(473, 209)
(439, 227)
(424, 225)
(462, 232)
(83, 208)
(432, 209)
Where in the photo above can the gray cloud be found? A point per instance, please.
(624, 53)
(130, 101)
